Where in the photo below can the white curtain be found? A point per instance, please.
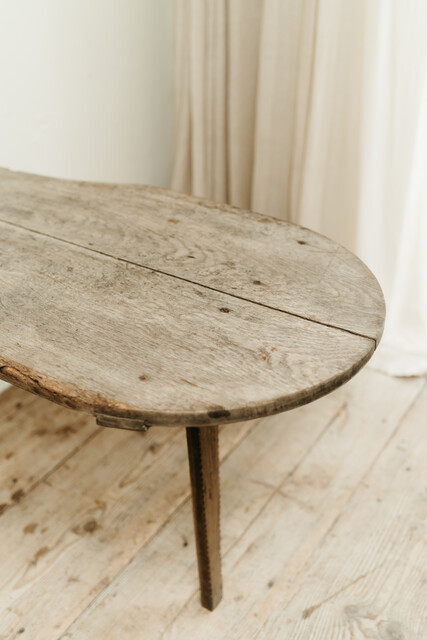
(315, 111)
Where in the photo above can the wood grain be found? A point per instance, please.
(241, 253)
(204, 473)
(286, 489)
(95, 334)
(373, 584)
(93, 513)
(250, 471)
(102, 334)
(34, 440)
(112, 315)
(270, 563)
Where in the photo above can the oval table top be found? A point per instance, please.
(142, 304)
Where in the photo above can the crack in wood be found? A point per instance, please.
(189, 280)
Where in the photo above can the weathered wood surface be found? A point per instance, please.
(238, 252)
(204, 473)
(85, 517)
(34, 439)
(116, 555)
(368, 576)
(138, 303)
(301, 512)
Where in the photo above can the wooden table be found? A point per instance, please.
(146, 307)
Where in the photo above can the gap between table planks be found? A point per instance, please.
(197, 241)
(97, 335)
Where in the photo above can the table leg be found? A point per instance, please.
(203, 457)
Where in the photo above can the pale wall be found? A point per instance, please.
(86, 88)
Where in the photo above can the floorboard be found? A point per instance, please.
(324, 518)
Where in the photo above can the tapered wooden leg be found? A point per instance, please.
(203, 457)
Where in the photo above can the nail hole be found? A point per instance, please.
(256, 282)
(18, 495)
(90, 526)
(225, 310)
(143, 377)
(301, 242)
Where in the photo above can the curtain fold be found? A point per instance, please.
(315, 111)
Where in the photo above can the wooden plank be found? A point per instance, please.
(152, 589)
(238, 252)
(266, 541)
(274, 550)
(111, 338)
(92, 515)
(367, 579)
(204, 473)
(35, 437)
(12, 400)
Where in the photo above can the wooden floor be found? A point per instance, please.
(324, 523)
